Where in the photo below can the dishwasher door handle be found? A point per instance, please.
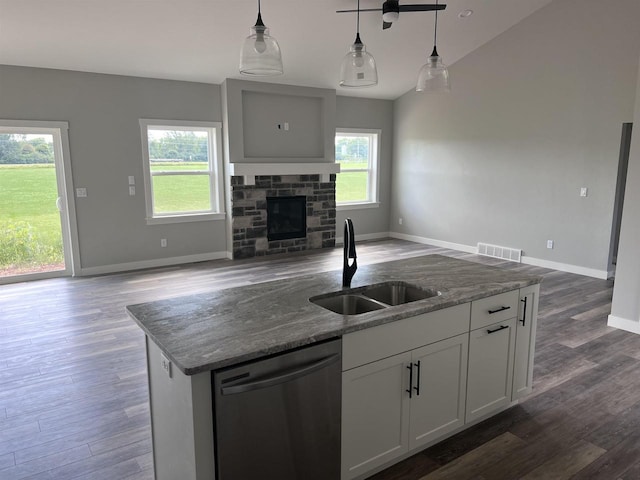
(277, 379)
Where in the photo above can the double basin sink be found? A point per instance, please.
(372, 297)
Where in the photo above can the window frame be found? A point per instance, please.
(373, 177)
(214, 172)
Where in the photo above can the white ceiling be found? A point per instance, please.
(200, 40)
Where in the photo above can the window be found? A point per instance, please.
(183, 170)
(357, 152)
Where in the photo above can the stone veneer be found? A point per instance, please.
(249, 213)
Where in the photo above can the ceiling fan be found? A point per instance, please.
(391, 10)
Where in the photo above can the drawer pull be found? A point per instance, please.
(410, 389)
(501, 309)
(501, 327)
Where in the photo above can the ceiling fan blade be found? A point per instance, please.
(421, 8)
(362, 10)
(386, 25)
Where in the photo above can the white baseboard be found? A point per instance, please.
(159, 262)
(623, 324)
(537, 262)
(436, 243)
(365, 236)
(566, 267)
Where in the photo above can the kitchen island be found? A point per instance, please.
(188, 337)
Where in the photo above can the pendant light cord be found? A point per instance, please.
(358, 20)
(435, 30)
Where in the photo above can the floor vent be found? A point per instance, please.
(512, 254)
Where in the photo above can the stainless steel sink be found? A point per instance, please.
(347, 304)
(372, 297)
(397, 293)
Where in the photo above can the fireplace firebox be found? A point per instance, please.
(286, 217)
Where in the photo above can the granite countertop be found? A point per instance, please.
(212, 330)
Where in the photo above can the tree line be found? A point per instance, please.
(18, 149)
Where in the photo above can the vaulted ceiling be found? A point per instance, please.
(200, 40)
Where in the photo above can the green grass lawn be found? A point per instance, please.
(29, 220)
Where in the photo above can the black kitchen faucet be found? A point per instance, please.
(348, 271)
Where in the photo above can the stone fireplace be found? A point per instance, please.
(250, 212)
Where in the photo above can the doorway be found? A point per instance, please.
(36, 233)
(621, 182)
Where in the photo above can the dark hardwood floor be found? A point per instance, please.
(73, 391)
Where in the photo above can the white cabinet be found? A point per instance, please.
(394, 404)
(375, 416)
(525, 342)
(490, 376)
(439, 390)
(410, 383)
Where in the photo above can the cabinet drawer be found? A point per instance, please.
(494, 309)
(383, 341)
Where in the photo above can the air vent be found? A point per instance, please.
(495, 251)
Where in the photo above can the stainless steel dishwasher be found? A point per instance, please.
(279, 418)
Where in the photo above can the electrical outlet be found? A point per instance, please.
(549, 243)
(163, 242)
(400, 221)
(81, 192)
(132, 190)
(165, 363)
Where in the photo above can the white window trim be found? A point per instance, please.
(216, 176)
(374, 177)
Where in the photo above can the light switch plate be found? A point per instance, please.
(81, 192)
(132, 180)
(584, 191)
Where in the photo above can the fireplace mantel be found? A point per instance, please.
(250, 170)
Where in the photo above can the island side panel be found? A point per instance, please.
(181, 421)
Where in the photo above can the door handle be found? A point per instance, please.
(524, 311)
(501, 309)
(501, 327)
(410, 389)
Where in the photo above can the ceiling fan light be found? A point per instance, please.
(433, 77)
(260, 55)
(358, 68)
(390, 17)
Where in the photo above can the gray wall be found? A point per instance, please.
(533, 115)
(625, 309)
(368, 113)
(103, 113)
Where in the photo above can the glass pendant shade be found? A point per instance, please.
(433, 76)
(260, 54)
(358, 67)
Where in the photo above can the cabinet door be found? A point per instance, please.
(375, 414)
(525, 341)
(439, 389)
(490, 368)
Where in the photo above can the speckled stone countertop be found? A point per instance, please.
(208, 331)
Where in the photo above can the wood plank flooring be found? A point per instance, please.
(73, 388)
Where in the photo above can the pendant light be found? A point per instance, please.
(434, 76)
(358, 67)
(260, 54)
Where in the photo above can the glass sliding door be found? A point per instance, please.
(34, 221)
